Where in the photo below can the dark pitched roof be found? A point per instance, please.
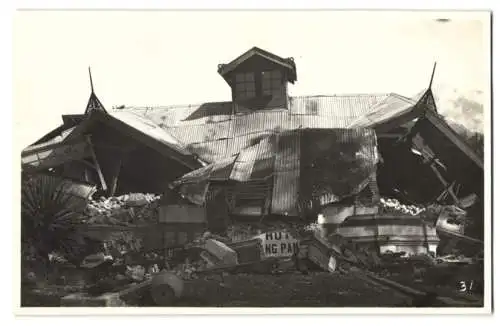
(287, 63)
(440, 124)
(141, 129)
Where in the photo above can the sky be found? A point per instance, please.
(158, 58)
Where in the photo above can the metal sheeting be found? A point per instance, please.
(351, 106)
(195, 176)
(259, 122)
(393, 106)
(236, 144)
(209, 122)
(283, 155)
(243, 165)
(194, 134)
(318, 122)
(167, 117)
(285, 193)
(288, 151)
(222, 169)
(264, 161)
(286, 174)
(187, 114)
(255, 162)
(209, 151)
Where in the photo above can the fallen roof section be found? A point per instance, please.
(283, 155)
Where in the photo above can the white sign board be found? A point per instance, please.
(278, 244)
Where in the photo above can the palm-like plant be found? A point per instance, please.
(49, 220)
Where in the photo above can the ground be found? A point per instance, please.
(291, 289)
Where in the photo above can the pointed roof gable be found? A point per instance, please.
(288, 63)
(93, 103)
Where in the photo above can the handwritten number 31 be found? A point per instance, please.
(465, 286)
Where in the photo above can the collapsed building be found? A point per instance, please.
(268, 155)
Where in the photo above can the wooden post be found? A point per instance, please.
(114, 177)
(97, 166)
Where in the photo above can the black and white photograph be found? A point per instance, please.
(253, 159)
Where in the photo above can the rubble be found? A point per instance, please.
(390, 205)
(122, 210)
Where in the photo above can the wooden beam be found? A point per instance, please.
(445, 184)
(97, 166)
(115, 175)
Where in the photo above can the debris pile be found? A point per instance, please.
(123, 210)
(390, 205)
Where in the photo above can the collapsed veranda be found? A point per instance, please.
(266, 155)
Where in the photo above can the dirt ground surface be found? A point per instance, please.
(316, 289)
(289, 290)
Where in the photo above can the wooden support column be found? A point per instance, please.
(97, 166)
(115, 174)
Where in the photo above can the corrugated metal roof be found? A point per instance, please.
(208, 122)
(391, 107)
(264, 161)
(320, 122)
(335, 106)
(186, 114)
(288, 151)
(210, 151)
(200, 133)
(223, 168)
(236, 144)
(255, 162)
(260, 121)
(243, 165)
